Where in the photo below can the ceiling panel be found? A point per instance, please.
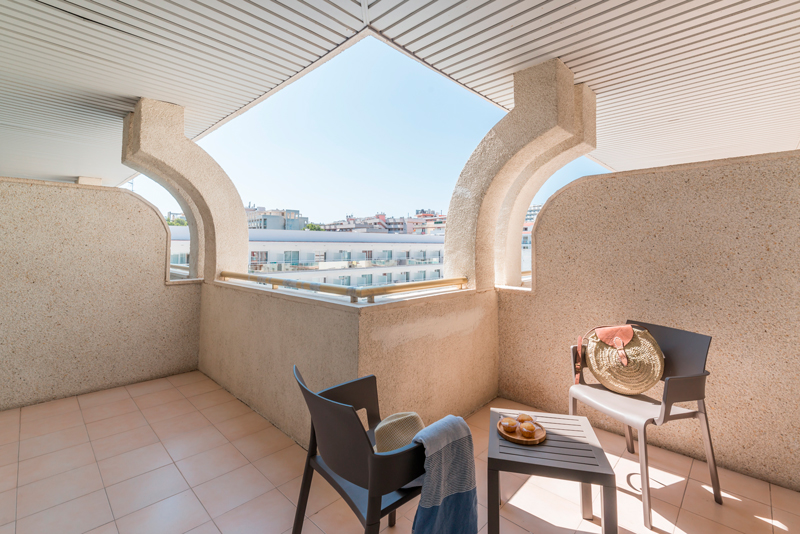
(676, 81)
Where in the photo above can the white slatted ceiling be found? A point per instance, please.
(677, 81)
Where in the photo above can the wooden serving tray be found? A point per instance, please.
(516, 437)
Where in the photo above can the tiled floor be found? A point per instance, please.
(180, 454)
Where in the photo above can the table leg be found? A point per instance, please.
(493, 501)
(609, 505)
(586, 501)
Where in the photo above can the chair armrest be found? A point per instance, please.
(684, 388)
(681, 389)
(392, 470)
(573, 350)
(359, 393)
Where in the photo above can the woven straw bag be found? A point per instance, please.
(625, 359)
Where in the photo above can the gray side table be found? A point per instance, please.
(570, 452)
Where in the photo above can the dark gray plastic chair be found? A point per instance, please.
(684, 379)
(341, 451)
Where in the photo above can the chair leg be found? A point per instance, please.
(629, 439)
(302, 500)
(375, 528)
(573, 405)
(645, 478)
(392, 518)
(710, 459)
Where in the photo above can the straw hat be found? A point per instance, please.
(397, 430)
(645, 363)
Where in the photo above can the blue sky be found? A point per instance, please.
(370, 131)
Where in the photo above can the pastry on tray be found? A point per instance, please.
(527, 429)
(509, 425)
(524, 418)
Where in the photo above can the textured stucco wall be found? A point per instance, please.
(251, 338)
(84, 301)
(711, 248)
(433, 355)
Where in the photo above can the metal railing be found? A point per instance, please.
(355, 293)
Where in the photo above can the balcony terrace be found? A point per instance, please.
(131, 402)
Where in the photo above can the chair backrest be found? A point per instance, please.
(685, 352)
(341, 439)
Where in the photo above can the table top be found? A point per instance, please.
(571, 450)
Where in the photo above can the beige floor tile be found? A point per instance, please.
(9, 453)
(158, 398)
(198, 388)
(9, 433)
(510, 483)
(284, 465)
(115, 425)
(567, 490)
(506, 527)
(10, 528)
(48, 425)
(689, 523)
(142, 491)
(630, 514)
(168, 410)
(10, 416)
(736, 512)
(149, 387)
(194, 442)
(537, 510)
(212, 398)
(109, 409)
(785, 499)
(337, 518)
(664, 485)
(8, 506)
(731, 482)
(263, 443)
(62, 439)
(308, 528)
(49, 409)
(73, 517)
(480, 419)
(206, 528)
(47, 465)
(409, 509)
(174, 515)
(322, 494)
(613, 444)
(186, 378)
(175, 426)
(123, 442)
(210, 464)
(271, 513)
(58, 489)
(108, 528)
(233, 489)
(784, 521)
(242, 426)
(8, 477)
(133, 463)
(103, 397)
(480, 440)
(225, 411)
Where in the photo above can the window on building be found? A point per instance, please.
(366, 279)
(319, 256)
(292, 257)
(388, 277)
(344, 255)
(387, 254)
(344, 280)
(367, 254)
(436, 274)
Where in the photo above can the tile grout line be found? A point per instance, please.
(16, 488)
(94, 455)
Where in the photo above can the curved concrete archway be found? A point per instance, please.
(154, 144)
(552, 121)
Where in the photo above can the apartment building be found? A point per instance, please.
(264, 219)
(345, 258)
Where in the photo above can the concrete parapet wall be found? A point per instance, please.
(85, 304)
(435, 355)
(711, 248)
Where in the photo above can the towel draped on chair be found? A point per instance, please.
(449, 500)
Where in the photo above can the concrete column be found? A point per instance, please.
(154, 144)
(525, 147)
